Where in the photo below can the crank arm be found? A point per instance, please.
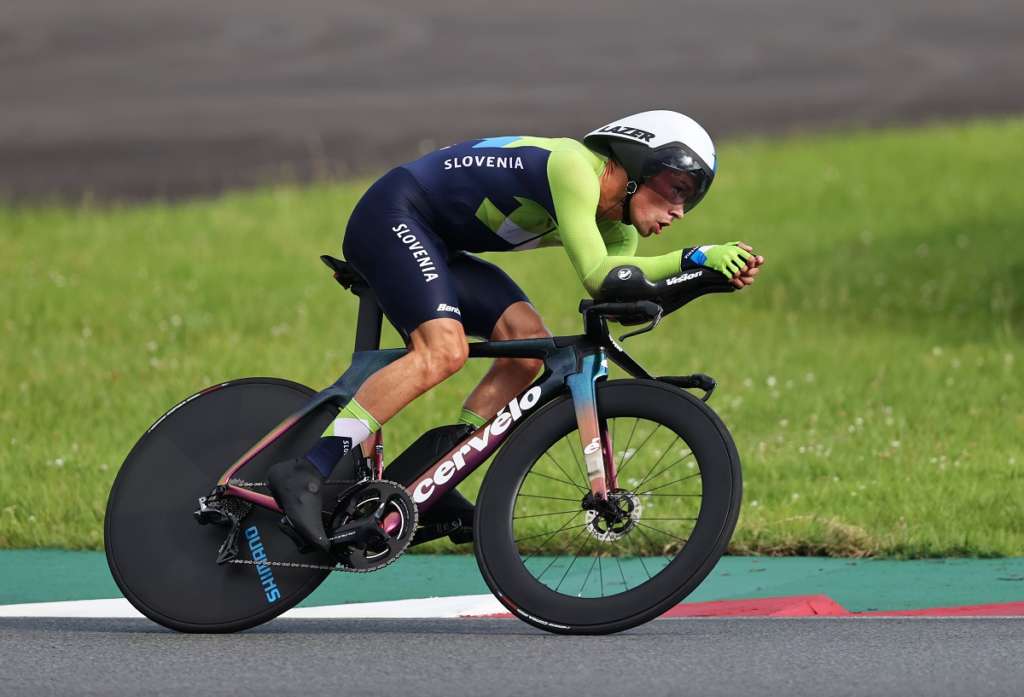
(359, 532)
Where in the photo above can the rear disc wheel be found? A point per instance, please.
(162, 559)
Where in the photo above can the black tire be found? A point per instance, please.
(161, 558)
(497, 550)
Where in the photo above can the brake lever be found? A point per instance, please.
(649, 327)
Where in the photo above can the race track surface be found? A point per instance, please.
(449, 658)
(131, 100)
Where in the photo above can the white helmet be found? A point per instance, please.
(649, 142)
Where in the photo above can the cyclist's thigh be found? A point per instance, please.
(484, 292)
(519, 321)
(400, 257)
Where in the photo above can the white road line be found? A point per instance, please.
(421, 608)
(455, 606)
(113, 607)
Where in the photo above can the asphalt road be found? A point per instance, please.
(136, 99)
(814, 657)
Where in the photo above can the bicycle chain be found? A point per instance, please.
(247, 485)
(321, 567)
(291, 564)
(288, 564)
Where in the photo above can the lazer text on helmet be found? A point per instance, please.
(629, 132)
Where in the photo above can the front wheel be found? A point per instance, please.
(562, 564)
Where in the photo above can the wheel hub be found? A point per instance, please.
(614, 517)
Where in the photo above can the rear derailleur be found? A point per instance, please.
(223, 511)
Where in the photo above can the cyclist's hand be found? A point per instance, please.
(727, 259)
(750, 269)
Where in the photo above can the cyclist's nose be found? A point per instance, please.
(677, 212)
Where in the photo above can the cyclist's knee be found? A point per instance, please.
(439, 350)
(520, 321)
(435, 364)
(448, 359)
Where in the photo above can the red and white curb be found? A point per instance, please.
(486, 606)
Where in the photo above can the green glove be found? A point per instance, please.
(727, 259)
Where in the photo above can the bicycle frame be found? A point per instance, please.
(575, 363)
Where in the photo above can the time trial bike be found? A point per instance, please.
(608, 502)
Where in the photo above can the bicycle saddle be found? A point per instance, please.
(344, 273)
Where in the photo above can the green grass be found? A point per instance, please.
(871, 377)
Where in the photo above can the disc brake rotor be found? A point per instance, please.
(615, 517)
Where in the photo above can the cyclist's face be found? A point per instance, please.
(660, 200)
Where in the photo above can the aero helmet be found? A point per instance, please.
(652, 141)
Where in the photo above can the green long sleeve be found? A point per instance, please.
(575, 192)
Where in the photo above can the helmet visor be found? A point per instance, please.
(685, 188)
(692, 177)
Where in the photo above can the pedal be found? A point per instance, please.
(454, 529)
(285, 526)
(461, 535)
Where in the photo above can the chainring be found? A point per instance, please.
(377, 502)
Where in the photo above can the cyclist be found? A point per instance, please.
(412, 236)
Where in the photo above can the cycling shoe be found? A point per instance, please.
(297, 487)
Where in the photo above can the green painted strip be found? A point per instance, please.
(45, 575)
(28, 576)
(869, 584)
(415, 576)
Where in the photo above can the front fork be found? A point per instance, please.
(594, 437)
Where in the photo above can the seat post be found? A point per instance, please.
(368, 324)
(370, 317)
